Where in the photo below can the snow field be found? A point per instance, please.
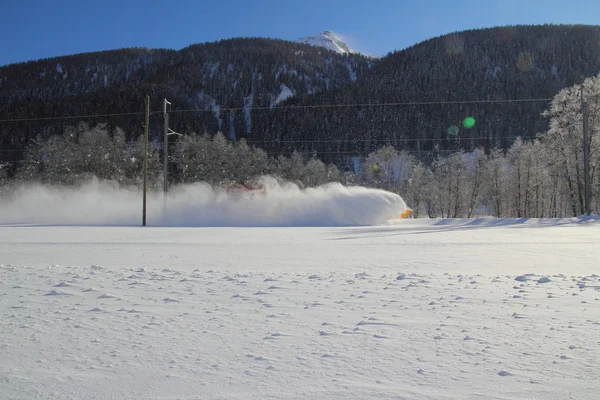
(471, 309)
(162, 333)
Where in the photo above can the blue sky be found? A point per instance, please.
(34, 29)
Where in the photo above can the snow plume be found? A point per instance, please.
(282, 204)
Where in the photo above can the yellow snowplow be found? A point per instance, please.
(406, 213)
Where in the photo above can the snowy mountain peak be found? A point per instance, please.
(329, 40)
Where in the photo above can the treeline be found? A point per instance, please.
(543, 177)
(83, 152)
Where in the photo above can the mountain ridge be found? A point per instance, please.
(251, 75)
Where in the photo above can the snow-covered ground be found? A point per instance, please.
(420, 309)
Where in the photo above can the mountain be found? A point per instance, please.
(223, 85)
(285, 96)
(439, 83)
(328, 40)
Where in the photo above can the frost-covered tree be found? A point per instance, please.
(565, 137)
(380, 167)
(218, 161)
(388, 169)
(333, 174)
(430, 193)
(291, 168)
(82, 152)
(315, 173)
(259, 163)
(519, 156)
(545, 190)
(450, 175)
(188, 155)
(476, 162)
(416, 192)
(348, 178)
(3, 176)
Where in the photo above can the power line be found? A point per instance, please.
(422, 155)
(350, 141)
(347, 105)
(408, 103)
(340, 141)
(69, 117)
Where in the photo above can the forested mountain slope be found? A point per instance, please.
(511, 63)
(238, 73)
(242, 86)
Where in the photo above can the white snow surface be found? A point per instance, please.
(248, 104)
(328, 40)
(352, 72)
(216, 109)
(285, 94)
(409, 309)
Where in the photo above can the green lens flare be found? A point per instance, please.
(469, 122)
(453, 130)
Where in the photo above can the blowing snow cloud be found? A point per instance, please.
(200, 205)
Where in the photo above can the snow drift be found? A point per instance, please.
(284, 204)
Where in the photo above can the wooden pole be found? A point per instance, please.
(146, 126)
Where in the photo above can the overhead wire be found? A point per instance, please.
(296, 107)
(340, 141)
(292, 107)
(408, 103)
(70, 117)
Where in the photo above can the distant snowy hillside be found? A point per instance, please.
(330, 41)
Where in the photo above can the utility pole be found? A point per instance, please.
(165, 160)
(146, 159)
(168, 132)
(165, 147)
(586, 155)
